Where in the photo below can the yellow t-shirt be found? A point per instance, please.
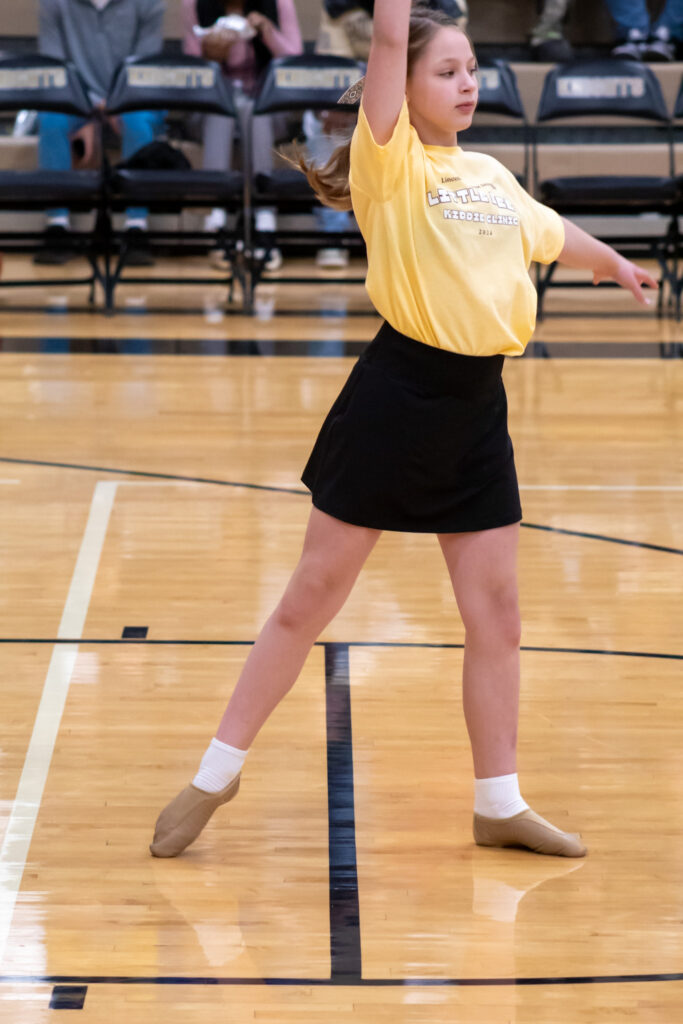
(450, 238)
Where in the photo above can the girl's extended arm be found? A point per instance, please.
(385, 83)
(583, 252)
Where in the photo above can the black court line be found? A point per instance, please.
(345, 942)
(100, 979)
(140, 312)
(149, 475)
(311, 347)
(602, 537)
(135, 642)
(157, 476)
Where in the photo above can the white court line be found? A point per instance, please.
(655, 488)
(17, 841)
(10, 481)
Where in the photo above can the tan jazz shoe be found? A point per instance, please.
(530, 831)
(183, 819)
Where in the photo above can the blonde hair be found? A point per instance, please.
(330, 182)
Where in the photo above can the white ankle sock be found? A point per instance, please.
(498, 797)
(219, 766)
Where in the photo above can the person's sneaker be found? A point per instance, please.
(660, 46)
(274, 260)
(183, 819)
(530, 831)
(265, 221)
(138, 253)
(631, 48)
(219, 260)
(54, 252)
(215, 220)
(552, 50)
(332, 259)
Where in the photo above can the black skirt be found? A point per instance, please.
(417, 441)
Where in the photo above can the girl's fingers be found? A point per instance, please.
(647, 279)
(640, 296)
(633, 281)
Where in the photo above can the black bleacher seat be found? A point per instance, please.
(609, 104)
(293, 85)
(35, 82)
(190, 85)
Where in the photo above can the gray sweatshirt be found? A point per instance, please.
(97, 41)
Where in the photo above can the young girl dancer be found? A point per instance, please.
(417, 439)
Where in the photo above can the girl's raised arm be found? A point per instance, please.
(385, 84)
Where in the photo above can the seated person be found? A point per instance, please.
(639, 38)
(547, 36)
(276, 34)
(96, 36)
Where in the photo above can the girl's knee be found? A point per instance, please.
(313, 596)
(495, 617)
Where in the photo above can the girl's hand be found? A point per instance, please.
(260, 23)
(631, 277)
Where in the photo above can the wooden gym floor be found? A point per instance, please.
(150, 515)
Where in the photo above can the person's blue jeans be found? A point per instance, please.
(54, 143)
(320, 148)
(332, 220)
(630, 14)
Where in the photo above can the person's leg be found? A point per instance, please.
(138, 129)
(667, 32)
(218, 137)
(320, 146)
(54, 151)
(547, 36)
(218, 134)
(671, 18)
(483, 571)
(629, 15)
(265, 218)
(333, 554)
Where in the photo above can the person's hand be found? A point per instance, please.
(260, 23)
(631, 277)
(216, 45)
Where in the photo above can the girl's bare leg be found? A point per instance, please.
(332, 557)
(483, 570)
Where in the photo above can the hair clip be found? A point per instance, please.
(353, 94)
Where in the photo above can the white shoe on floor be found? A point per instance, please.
(215, 220)
(265, 220)
(274, 261)
(332, 259)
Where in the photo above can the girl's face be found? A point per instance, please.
(442, 89)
